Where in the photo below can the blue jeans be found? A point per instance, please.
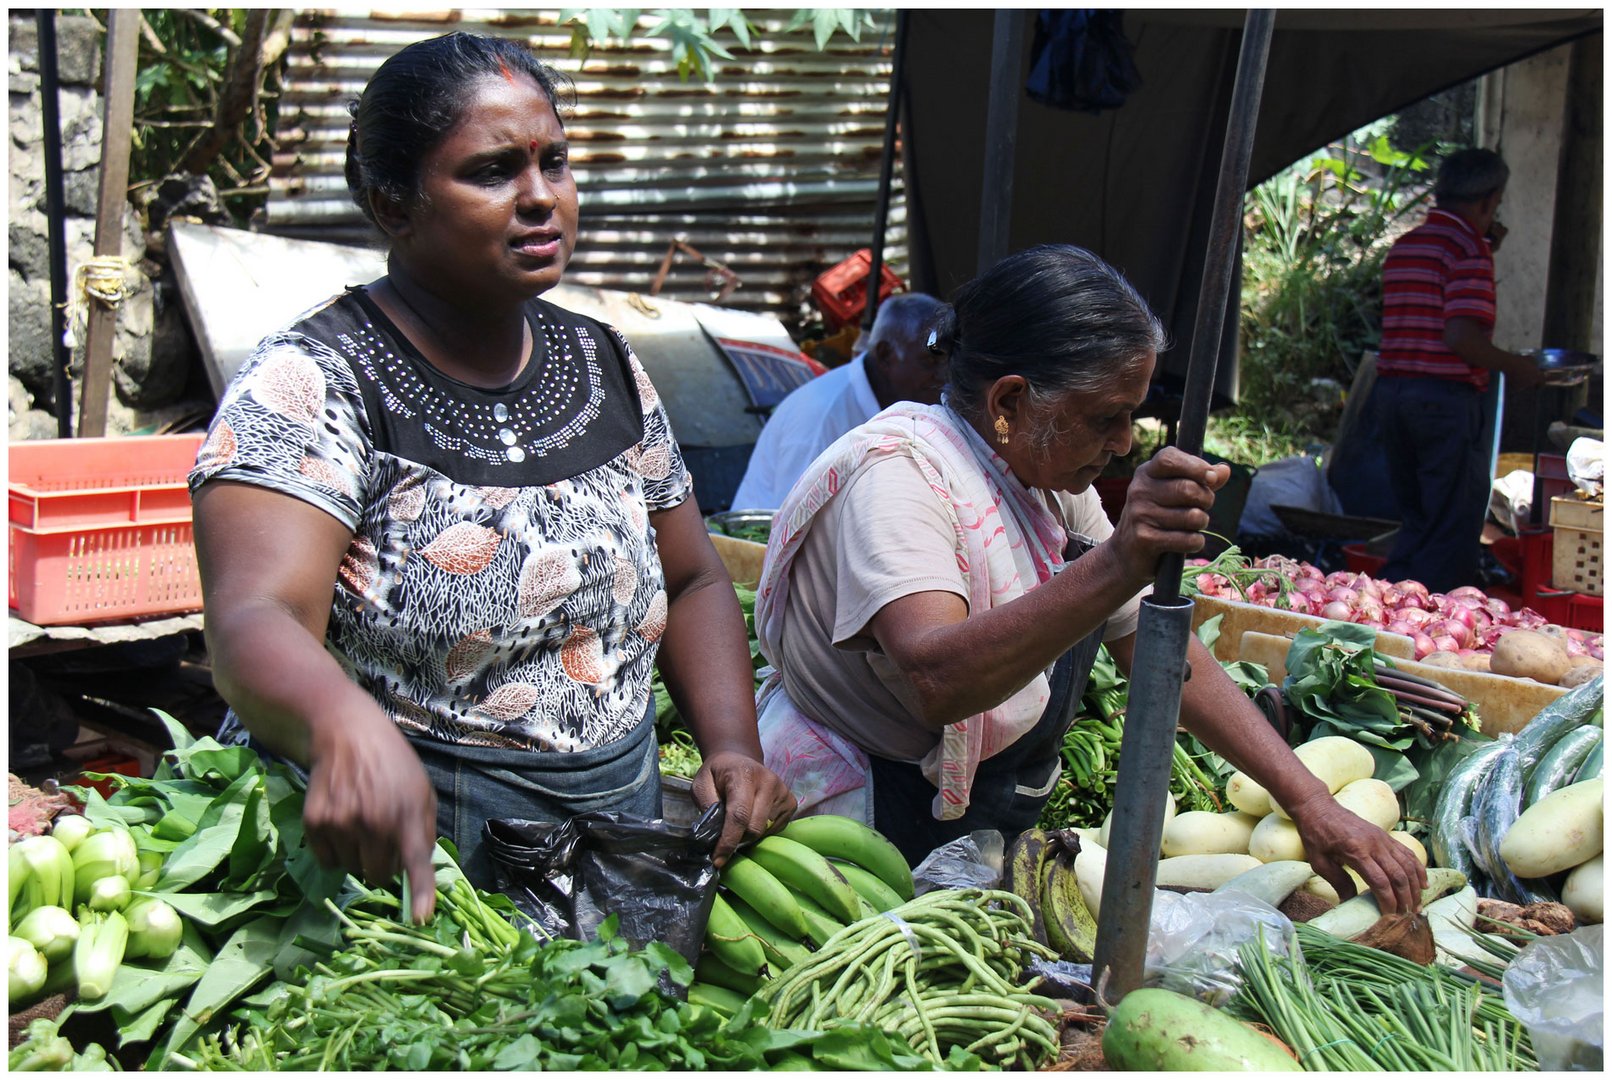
(478, 783)
(1438, 465)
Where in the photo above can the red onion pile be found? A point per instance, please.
(1465, 621)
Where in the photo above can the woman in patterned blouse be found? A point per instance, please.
(444, 529)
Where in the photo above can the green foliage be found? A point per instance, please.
(1314, 241)
(692, 33)
(185, 62)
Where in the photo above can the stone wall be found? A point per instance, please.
(153, 354)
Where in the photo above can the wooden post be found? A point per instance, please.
(1575, 253)
(122, 55)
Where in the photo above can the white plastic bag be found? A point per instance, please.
(1554, 987)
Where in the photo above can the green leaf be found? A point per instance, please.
(522, 1054)
(177, 732)
(139, 984)
(212, 909)
(824, 22)
(142, 1027)
(245, 960)
(213, 840)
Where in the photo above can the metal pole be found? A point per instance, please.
(55, 218)
(898, 58)
(1001, 135)
(1158, 666)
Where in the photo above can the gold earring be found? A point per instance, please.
(1002, 430)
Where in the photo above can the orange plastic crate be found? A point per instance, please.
(841, 292)
(100, 529)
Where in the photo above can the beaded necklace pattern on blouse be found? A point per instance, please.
(551, 410)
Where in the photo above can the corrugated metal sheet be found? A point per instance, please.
(771, 169)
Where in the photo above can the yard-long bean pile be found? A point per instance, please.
(941, 972)
(1349, 1008)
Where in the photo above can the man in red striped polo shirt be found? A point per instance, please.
(1434, 365)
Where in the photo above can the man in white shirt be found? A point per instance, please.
(895, 366)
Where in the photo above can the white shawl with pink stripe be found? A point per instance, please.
(1008, 542)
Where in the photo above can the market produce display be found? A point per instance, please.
(1352, 1008)
(1461, 628)
(1548, 774)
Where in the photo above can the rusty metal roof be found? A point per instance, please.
(771, 169)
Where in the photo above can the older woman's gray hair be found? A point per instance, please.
(1055, 314)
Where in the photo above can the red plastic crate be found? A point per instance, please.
(841, 292)
(1359, 560)
(100, 529)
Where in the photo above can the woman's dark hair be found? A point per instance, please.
(416, 96)
(1055, 314)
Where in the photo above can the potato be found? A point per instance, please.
(1580, 670)
(1528, 654)
(1478, 661)
(1443, 659)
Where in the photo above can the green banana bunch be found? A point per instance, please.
(851, 841)
(792, 892)
(40, 874)
(1070, 926)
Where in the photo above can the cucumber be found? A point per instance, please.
(1567, 712)
(1496, 807)
(1454, 802)
(1561, 763)
(1592, 764)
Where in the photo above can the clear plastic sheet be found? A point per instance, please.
(1555, 987)
(1193, 941)
(969, 862)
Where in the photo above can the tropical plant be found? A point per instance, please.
(1314, 241)
(205, 94)
(692, 33)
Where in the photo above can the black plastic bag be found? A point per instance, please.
(657, 878)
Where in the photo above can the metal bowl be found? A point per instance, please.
(1555, 359)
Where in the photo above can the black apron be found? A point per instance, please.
(1010, 787)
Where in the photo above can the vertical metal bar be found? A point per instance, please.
(1225, 228)
(881, 214)
(55, 217)
(1158, 665)
(1001, 136)
(122, 57)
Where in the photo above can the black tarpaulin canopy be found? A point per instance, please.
(1135, 183)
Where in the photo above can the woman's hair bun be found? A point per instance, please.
(943, 334)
